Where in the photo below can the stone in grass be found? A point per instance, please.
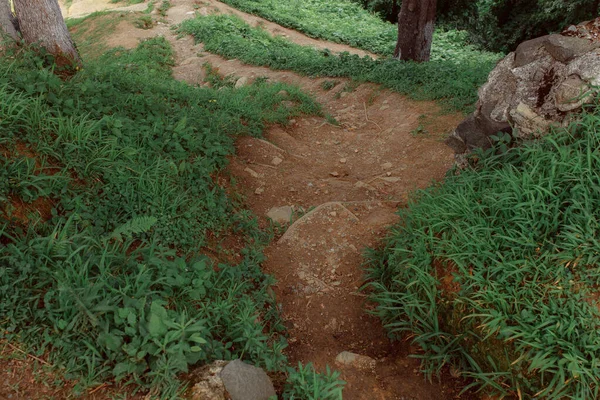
(246, 382)
(281, 215)
(243, 81)
(346, 358)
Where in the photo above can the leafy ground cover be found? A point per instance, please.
(453, 81)
(107, 200)
(496, 270)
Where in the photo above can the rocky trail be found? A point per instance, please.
(341, 186)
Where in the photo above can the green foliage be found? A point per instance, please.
(163, 7)
(128, 2)
(328, 85)
(144, 22)
(387, 9)
(500, 25)
(496, 270)
(114, 284)
(344, 21)
(452, 76)
(340, 21)
(307, 384)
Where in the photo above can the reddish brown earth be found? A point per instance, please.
(345, 183)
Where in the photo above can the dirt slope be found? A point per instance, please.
(345, 183)
(356, 175)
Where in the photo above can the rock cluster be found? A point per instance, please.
(537, 86)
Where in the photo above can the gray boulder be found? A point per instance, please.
(246, 382)
(540, 85)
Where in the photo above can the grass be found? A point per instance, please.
(339, 21)
(346, 21)
(128, 2)
(453, 81)
(163, 7)
(108, 204)
(89, 32)
(496, 270)
(304, 383)
(144, 22)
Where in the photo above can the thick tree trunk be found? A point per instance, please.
(7, 21)
(415, 30)
(41, 22)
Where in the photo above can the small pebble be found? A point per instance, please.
(276, 161)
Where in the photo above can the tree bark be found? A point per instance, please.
(7, 20)
(416, 22)
(41, 22)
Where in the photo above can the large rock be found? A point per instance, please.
(246, 382)
(537, 86)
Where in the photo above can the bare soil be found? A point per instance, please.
(346, 183)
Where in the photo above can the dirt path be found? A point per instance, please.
(356, 175)
(345, 182)
(81, 8)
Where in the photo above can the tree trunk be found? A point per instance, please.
(41, 22)
(7, 20)
(415, 30)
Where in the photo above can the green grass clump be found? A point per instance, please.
(453, 81)
(496, 270)
(163, 7)
(112, 282)
(305, 383)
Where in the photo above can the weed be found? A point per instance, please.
(144, 22)
(420, 129)
(114, 285)
(329, 84)
(373, 96)
(496, 270)
(163, 7)
(215, 79)
(305, 383)
(453, 80)
(331, 120)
